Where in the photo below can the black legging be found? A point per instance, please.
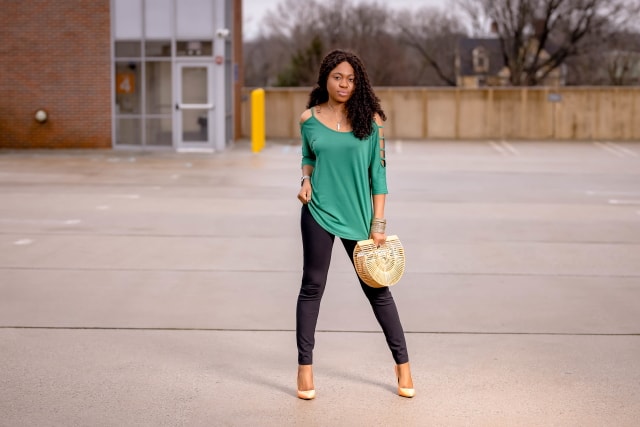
(317, 244)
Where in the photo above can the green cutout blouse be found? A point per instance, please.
(347, 172)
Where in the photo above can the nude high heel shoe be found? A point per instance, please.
(404, 392)
(306, 394)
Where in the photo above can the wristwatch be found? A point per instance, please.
(303, 178)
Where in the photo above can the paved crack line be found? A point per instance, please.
(263, 271)
(325, 331)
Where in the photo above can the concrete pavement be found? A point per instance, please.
(158, 289)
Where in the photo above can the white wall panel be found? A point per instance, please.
(128, 19)
(158, 19)
(195, 19)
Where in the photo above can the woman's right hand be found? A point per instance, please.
(305, 192)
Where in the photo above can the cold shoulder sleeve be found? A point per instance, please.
(308, 156)
(378, 165)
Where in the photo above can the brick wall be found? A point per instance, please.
(55, 55)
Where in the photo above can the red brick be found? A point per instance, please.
(55, 55)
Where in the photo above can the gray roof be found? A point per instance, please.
(494, 51)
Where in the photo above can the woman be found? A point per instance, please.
(343, 190)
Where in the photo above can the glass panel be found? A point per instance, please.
(194, 85)
(159, 132)
(194, 48)
(128, 131)
(128, 49)
(128, 88)
(157, 49)
(128, 19)
(194, 19)
(158, 23)
(194, 125)
(158, 85)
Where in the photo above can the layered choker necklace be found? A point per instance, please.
(342, 116)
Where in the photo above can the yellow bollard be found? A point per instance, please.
(257, 120)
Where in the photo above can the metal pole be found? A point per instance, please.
(238, 69)
(257, 120)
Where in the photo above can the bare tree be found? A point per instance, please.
(285, 37)
(369, 34)
(616, 63)
(434, 36)
(303, 66)
(623, 59)
(293, 21)
(298, 34)
(538, 36)
(260, 63)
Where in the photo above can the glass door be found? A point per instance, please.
(194, 109)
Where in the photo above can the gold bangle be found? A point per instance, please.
(378, 228)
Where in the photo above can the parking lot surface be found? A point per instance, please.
(159, 289)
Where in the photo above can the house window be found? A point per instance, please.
(480, 60)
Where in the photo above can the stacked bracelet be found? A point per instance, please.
(378, 225)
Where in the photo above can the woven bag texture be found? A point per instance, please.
(379, 267)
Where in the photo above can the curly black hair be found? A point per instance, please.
(363, 104)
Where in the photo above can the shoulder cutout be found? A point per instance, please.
(381, 142)
(306, 115)
(378, 120)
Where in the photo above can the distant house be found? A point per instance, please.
(480, 62)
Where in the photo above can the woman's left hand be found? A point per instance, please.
(378, 238)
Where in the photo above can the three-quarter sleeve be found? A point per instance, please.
(377, 168)
(308, 156)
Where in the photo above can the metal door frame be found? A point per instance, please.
(179, 143)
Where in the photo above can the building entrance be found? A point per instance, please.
(172, 74)
(195, 107)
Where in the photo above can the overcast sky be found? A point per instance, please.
(254, 10)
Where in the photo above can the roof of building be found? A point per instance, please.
(494, 53)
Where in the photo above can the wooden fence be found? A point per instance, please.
(565, 113)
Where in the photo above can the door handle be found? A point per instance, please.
(195, 106)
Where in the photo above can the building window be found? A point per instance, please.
(194, 48)
(128, 131)
(158, 78)
(128, 49)
(128, 88)
(159, 131)
(157, 49)
(480, 60)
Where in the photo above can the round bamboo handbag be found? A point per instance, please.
(379, 266)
